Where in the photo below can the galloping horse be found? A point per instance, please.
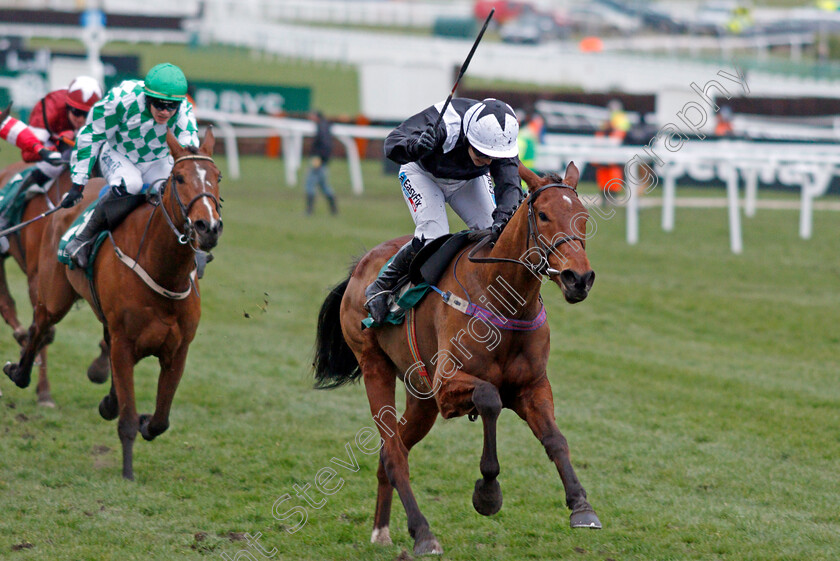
(469, 365)
(26, 243)
(143, 289)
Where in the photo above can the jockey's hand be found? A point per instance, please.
(500, 218)
(73, 196)
(51, 157)
(425, 143)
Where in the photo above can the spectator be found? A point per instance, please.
(610, 176)
(723, 122)
(319, 156)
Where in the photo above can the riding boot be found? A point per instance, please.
(110, 210)
(333, 206)
(379, 292)
(35, 177)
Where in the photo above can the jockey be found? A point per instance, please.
(453, 163)
(127, 130)
(53, 122)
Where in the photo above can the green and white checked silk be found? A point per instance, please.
(122, 120)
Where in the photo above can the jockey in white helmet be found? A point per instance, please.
(451, 163)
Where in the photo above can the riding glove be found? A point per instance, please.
(50, 156)
(425, 143)
(73, 196)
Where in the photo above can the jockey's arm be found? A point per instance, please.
(401, 143)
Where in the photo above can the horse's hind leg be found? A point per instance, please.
(171, 370)
(380, 384)
(43, 388)
(41, 333)
(417, 421)
(536, 406)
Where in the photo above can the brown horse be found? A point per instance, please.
(27, 242)
(471, 366)
(145, 293)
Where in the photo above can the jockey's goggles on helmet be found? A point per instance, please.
(481, 154)
(163, 104)
(77, 112)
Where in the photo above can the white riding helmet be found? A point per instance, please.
(491, 128)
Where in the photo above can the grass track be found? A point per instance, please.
(697, 390)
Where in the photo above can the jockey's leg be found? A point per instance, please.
(35, 177)
(425, 200)
(474, 203)
(125, 179)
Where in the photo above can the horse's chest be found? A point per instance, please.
(154, 331)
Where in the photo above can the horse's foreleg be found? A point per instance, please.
(8, 308)
(417, 421)
(171, 370)
(123, 361)
(40, 334)
(100, 368)
(43, 388)
(380, 385)
(536, 406)
(459, 395)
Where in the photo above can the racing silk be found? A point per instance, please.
(450, 158)
(30, 139)
(122, 120)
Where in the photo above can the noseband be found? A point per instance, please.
(188, 233)
(533, 235)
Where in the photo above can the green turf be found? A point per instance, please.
(697, 389)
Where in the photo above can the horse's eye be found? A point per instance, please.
(179, 178)
(543, 217)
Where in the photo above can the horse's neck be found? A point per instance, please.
(516, 283)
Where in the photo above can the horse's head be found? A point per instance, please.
(557, 228)
(193, 197)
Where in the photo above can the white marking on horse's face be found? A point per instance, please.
(202, 175)
(567, 199)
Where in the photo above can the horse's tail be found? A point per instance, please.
(334, 364)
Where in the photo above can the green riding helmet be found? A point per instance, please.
(166, 81)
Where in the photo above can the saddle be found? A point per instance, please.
(431, 261)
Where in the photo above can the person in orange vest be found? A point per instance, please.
(723, 125)
(610, 177)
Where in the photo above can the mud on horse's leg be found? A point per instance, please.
(536, 406)
(417, 421)
(380, 384)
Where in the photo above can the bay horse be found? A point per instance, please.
(24, 247)
(143, 289)
(467, 364)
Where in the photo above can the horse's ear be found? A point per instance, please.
(208, 143)
(175, 147)
(531, 179)
(572, 175)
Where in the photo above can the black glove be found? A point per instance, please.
(51, 157)
(500, 218)
(73, 196)
(425, 143)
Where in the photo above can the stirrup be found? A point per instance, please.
(376, 296)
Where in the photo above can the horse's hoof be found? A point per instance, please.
(21, 335)
(585, 519)
(427, 544)
(12, 370)
(98, 371)
(144, 428)
(46, 401)
(108, 408)
(487, 497)
(381, 536)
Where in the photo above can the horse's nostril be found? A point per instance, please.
(201, 225)
(588, 279)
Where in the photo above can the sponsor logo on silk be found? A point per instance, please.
(415, 199)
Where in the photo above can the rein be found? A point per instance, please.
(533, 234)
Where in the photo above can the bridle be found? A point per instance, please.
(188, 234)
(533, 236)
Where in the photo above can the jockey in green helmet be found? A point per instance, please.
(126, 133)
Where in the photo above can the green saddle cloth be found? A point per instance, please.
(407, 300)
(12, 200)
(75, 228)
